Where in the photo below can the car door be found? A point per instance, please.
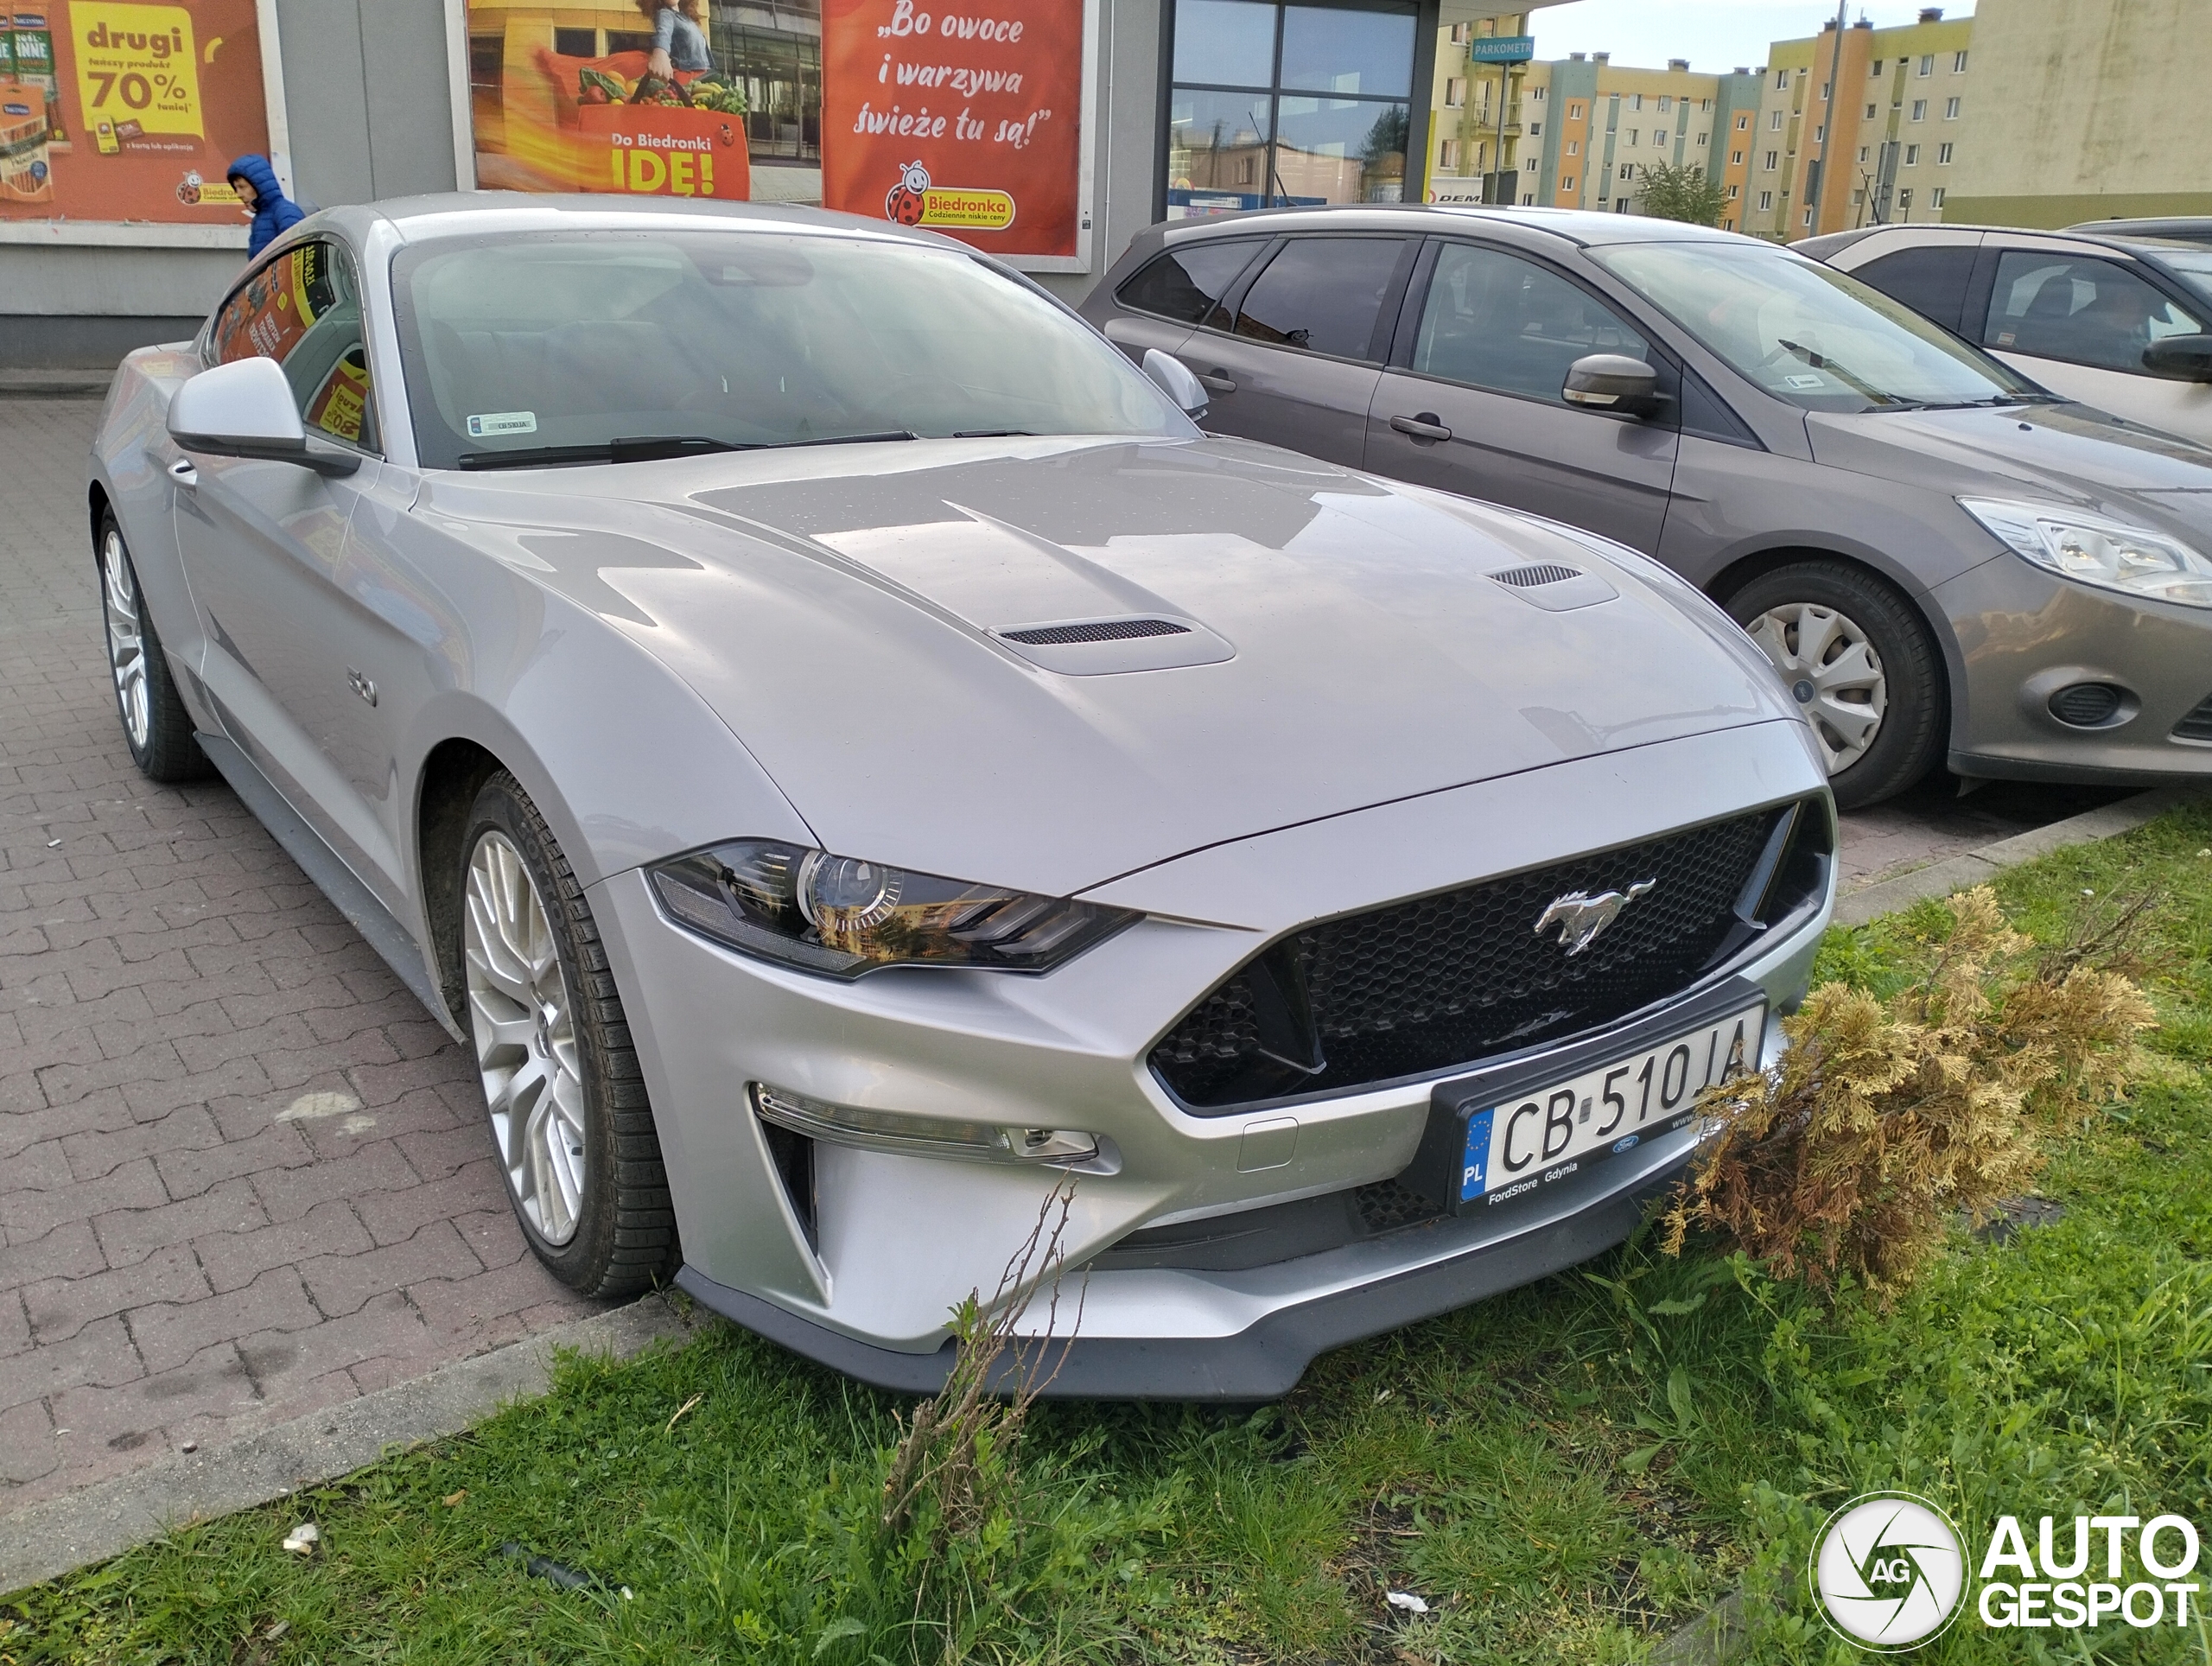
(1471, 400)
(264, 546)
(1164, 300)
(2079, 323)
(1298, 365)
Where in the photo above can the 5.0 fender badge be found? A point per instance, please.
(1580, 916)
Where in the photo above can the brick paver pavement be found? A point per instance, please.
(243, 1173)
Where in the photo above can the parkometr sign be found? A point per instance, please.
(1502, 49)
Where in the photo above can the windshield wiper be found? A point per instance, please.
(1858, 384)
(992, 434)
(633, 448)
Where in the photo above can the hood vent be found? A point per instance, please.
(1104, 630)
(1526, 578)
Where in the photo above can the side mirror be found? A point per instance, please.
(1174, 379)
(1611, 382)
(245, 408)
(2182, 358)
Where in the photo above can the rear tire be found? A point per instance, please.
(1862, 667)
(563, 1087)
(155, 725)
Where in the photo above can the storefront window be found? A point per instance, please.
(1280, 105)
(774, 50)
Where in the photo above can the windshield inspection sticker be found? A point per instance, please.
(494, 422)
(1794, 381)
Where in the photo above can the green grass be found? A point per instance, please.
(1564, 1473)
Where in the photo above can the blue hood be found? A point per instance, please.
(274, 214)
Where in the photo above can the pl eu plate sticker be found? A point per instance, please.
(1475, 1162)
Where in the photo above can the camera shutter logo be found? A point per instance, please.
(1889, 1571)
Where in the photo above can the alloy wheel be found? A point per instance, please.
(1831, 669)
(126, 638)
(524, 1025)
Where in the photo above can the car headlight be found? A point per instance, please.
(2111, 555)
(842, 916)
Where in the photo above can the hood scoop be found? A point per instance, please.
(1096, 647)
(1554, 588)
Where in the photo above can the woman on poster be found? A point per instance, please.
(678, 41)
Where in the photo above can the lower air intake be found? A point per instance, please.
(2197, 725)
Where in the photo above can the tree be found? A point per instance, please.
(1681, 191)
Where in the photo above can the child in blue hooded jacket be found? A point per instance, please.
(274, 213)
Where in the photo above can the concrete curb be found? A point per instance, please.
(58, 1536)
(54, 383)
(1978, 867)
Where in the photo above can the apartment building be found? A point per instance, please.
(1882, 149)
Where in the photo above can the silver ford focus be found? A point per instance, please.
(850, 757)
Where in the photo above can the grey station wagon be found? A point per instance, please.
(1947, 563)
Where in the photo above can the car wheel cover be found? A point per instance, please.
(126, 640)
(1831, 669)
(524, 1025)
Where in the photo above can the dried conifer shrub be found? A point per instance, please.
(1882, 1121)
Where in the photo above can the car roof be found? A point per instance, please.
(1582, 227)
(2125, 242)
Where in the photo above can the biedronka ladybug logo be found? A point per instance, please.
(905, 200)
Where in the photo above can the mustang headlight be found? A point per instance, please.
(842, 916)
(2090, 549)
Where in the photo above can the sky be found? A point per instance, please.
(1714, 34)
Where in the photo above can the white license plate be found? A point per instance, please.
(1534, 1139)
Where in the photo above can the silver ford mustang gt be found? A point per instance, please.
(850, 756)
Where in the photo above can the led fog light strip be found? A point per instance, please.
(924, 1137)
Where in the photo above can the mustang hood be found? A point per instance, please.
(1048, 663)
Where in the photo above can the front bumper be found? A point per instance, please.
(897, 1239)
(2024, 635)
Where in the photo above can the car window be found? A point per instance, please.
(1492, 320)
(2192, 266)
(739, 337)
(1186, 284)
(303, 309)
(2079, 309)
(1931, 281)
(1321, 295)
(1805, 332)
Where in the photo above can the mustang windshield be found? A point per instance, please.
(1807, 333)
(619, 345)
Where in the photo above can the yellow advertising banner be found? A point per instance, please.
(135, 63)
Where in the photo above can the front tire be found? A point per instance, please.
(562, 1085)
(155, 725)
(1862, 667)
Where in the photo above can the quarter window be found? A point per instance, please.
(1321, 295)
(1494, 321)
(303, 309)
(1187, 284)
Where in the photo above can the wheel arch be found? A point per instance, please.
(1743, 568)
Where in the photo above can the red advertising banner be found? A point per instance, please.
(115, 111)
(967, 121)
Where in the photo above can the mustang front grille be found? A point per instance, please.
(1456, 977)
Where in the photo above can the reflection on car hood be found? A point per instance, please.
(838, 605)
(2050, 453)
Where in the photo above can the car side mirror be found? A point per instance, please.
(1611, 382)
(245, 408)
(2183, 358)
(1173, 379)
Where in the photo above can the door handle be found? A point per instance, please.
(1423, 427)
(1217, 380)
(185, 472)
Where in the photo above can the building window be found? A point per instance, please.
(1772, 158)
(576, 42)
(1862, 156)
(1869, 112)
(1574, 146)
(1904, 200)
(1573, 112)
(1942, 156)
(1276, 102)
(1808, 217)
(1536, 95)
(1447, 155)
(1870, 73)
(1636, 101)
(1700, 139)
(1824, 92)
(1927, 63)
(1735, 191)
(1455, 92)
(1781, 80)
(1535, 130)
(1821, 134)
(1666, 103)
(1461, 32)
(1735, 159)
(1935, 198)
(1743, 121)
(1704, 105)
(1912, 155)
(1920, 110)
(1632, 136)
(1766, 201)
(1958, 63)
(1628, 172)
(1774, 123)
(1567, 184)
(1950, 109)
